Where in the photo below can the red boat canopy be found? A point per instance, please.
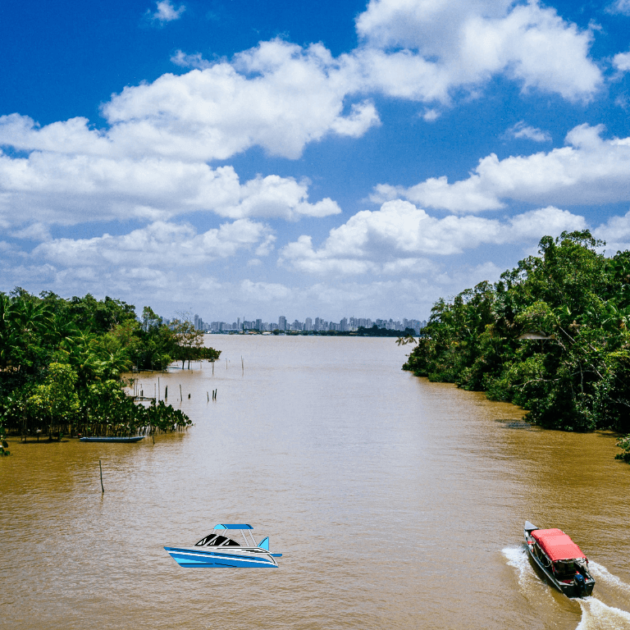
(557, 545)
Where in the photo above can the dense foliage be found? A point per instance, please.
(62, 361)
(551, 336)
(375, 331)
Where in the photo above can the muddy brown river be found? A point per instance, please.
(397, 504)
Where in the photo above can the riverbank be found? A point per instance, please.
(552, 336)
(62, 364)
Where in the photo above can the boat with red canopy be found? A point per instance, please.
(560, 559)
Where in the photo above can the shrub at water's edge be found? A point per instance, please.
(624, 444)
(62, 361)
(552, 336)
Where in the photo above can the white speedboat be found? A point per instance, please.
(220, 550)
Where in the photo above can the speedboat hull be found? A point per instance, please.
(195, 557)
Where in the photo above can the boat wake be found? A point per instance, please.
(602, 574)
(528, 581)
(597, 616)
(517, 558)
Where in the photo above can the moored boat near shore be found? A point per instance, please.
(560, 559)
(135, 438)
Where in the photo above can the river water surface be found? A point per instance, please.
(397, 504)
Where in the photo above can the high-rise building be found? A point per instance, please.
(282, 322)
(308, 324)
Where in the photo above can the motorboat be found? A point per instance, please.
(560, 559)
(221, 549)
(135, 438)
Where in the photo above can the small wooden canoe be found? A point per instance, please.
(135, 438)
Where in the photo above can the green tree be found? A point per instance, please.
(63, 362)
(551, 336)
(56, 397)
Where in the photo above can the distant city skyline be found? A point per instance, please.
(317, 324)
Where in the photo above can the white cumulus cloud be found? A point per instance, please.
(590, 170)
(165, 11)
(184, 60)
(160, 244)
(399, 236)
(615, 232)
(621, 62)
(620, 6)
(277, 96)
(522, 130)
(70, 189)
(465, 42)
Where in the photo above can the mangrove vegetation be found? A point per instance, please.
(552, 336)
(62, 365)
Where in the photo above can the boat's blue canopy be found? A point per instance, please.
(224, 526)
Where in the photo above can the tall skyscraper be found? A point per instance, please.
(282, 322)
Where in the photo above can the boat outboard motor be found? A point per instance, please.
(580, 583)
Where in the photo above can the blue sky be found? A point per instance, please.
(239, 158)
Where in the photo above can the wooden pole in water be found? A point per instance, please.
(208, 396)
(166, 393)
(101, 469)
(181, 396)
(243, 365)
